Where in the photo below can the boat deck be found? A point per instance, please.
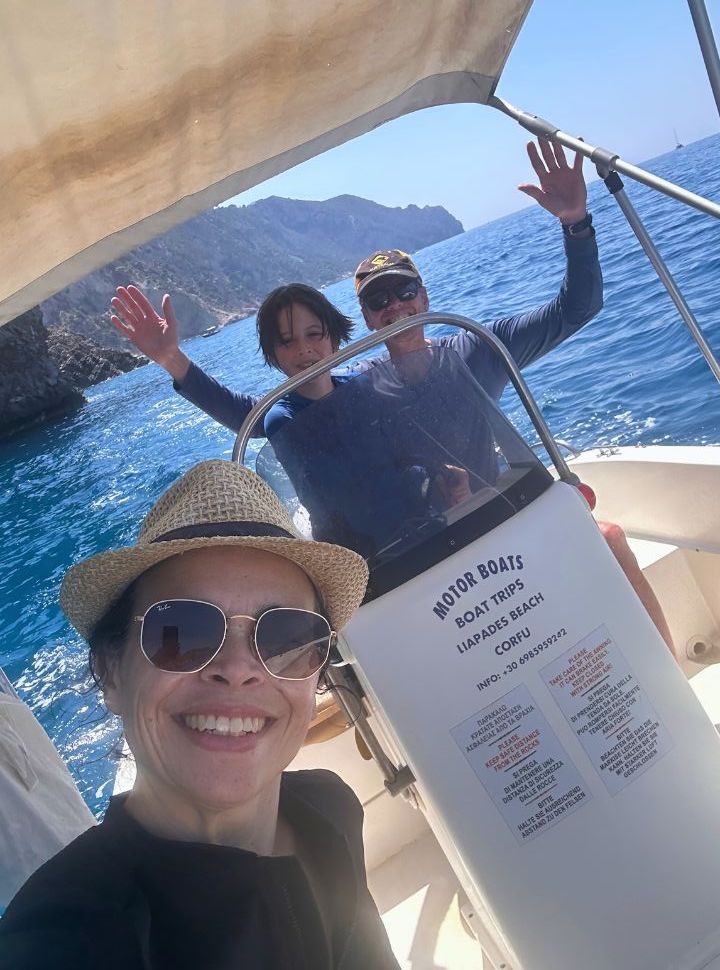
(415, 889)
(419, 899)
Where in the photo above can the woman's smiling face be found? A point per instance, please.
(163, 712)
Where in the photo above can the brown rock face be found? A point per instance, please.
(82, 362)
(31, 386)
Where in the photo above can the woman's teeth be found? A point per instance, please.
(234, 726)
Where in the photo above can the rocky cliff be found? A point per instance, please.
(84, 363)
(220, 265)
(31, 385)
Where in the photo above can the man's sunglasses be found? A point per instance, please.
(182, 636)
(403, 290)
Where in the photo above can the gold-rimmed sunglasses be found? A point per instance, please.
(182, 636)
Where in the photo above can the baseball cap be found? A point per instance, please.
(385, 262)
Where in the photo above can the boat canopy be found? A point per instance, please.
(123, 118)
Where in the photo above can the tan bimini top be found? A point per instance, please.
(123, 118)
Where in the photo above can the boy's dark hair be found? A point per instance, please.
(334, 323)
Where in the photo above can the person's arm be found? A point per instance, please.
(156, 336)
(76, 912)
(371, 937)
(529, 335)
(366, 943)
(617, 541)
(562, 193)
(229, 408)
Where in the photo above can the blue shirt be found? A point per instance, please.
(365, 461)
(291, 405)
(528, 336)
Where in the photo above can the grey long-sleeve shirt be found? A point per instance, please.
(528, 336)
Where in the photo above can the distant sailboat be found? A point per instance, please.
(678, 143)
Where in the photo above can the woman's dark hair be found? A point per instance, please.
(334, 323)
(109, 636)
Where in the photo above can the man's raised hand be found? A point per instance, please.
(154, 335)
(562, 188)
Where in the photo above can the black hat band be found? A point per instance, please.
(217, 530)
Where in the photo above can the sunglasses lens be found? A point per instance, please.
(407, 291)
(377, 300)
(292, 643)
(380, 298)
(182, 635)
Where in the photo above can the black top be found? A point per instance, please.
(119, 898)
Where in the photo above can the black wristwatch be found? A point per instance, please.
(576, 228)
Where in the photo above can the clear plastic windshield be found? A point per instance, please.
(400, 457)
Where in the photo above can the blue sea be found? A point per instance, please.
(82, 484)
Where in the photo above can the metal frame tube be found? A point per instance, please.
(400, 326)
(601, 156)
(706, 39)
(666, 278)
(359, 721)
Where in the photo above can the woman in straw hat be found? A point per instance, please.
(208, 638)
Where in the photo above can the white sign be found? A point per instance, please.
(521, 763)
(607, 708)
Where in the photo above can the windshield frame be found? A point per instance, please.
(375, 339)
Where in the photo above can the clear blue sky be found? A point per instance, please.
(621, 73)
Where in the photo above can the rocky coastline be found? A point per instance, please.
(83, 362)
(43, 373)
(218, 267)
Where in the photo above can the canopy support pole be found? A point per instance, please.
(397, 780)
(614, 185)
(602, 156)
(706, 39)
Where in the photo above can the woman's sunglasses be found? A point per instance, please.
(403, 290)
(182, 636)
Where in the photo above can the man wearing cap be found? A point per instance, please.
(449, 435)
(389, 285)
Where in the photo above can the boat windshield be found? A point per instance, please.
(403, 462)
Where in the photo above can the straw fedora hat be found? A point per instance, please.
(215, 503)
